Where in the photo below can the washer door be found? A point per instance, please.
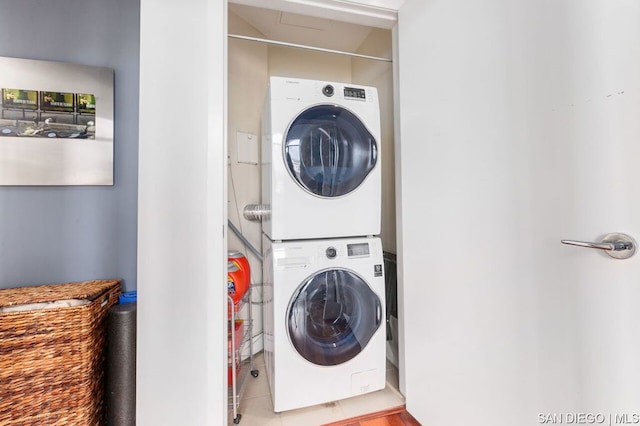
(328, 151)
(332, 316)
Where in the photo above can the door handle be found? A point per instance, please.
(616, 245)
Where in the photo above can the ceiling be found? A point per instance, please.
(301, 29)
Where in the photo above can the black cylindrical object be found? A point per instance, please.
(120, 395)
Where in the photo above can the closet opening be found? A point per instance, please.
(263, 43)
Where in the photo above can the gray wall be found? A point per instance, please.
(76, 233)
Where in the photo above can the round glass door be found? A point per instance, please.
(328, 151)
(332, 316)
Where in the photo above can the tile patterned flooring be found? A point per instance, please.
(257, 410)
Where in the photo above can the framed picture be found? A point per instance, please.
(56, 123)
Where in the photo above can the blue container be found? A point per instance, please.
(128, 297)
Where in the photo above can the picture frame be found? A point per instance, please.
(56, 123)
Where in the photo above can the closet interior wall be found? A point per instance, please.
(250, 65)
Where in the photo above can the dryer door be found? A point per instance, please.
(332, 316)
(328, 151)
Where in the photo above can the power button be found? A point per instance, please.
(331, 252)
(328, 90)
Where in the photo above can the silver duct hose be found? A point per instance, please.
(256, 212)
(246, 242)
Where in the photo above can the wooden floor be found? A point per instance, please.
(392, 417)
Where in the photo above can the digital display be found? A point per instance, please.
(350, 92)
(361, 249)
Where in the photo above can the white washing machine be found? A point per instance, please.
(320, 160)
(324, 332)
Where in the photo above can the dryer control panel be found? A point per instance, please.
(352, 92)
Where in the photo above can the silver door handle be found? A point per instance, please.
(616, 245)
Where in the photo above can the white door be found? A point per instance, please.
(520, 126)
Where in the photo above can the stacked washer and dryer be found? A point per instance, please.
(324, 306)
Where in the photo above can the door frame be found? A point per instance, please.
(361, 13)
(372, 13)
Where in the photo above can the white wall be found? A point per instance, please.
(75, 233)
(301, 63)
(181, 234)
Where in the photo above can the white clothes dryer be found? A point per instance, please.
(324, 333)
(320, 160)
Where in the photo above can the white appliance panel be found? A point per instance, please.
(298, 379)
(299, 182)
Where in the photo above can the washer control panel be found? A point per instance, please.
(352, 250)
(358, 250)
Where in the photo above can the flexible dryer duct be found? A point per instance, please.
(256, 212)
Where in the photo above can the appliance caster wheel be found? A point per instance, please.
(255, 373)
(237, 419)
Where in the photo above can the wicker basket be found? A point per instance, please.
(51, 360)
